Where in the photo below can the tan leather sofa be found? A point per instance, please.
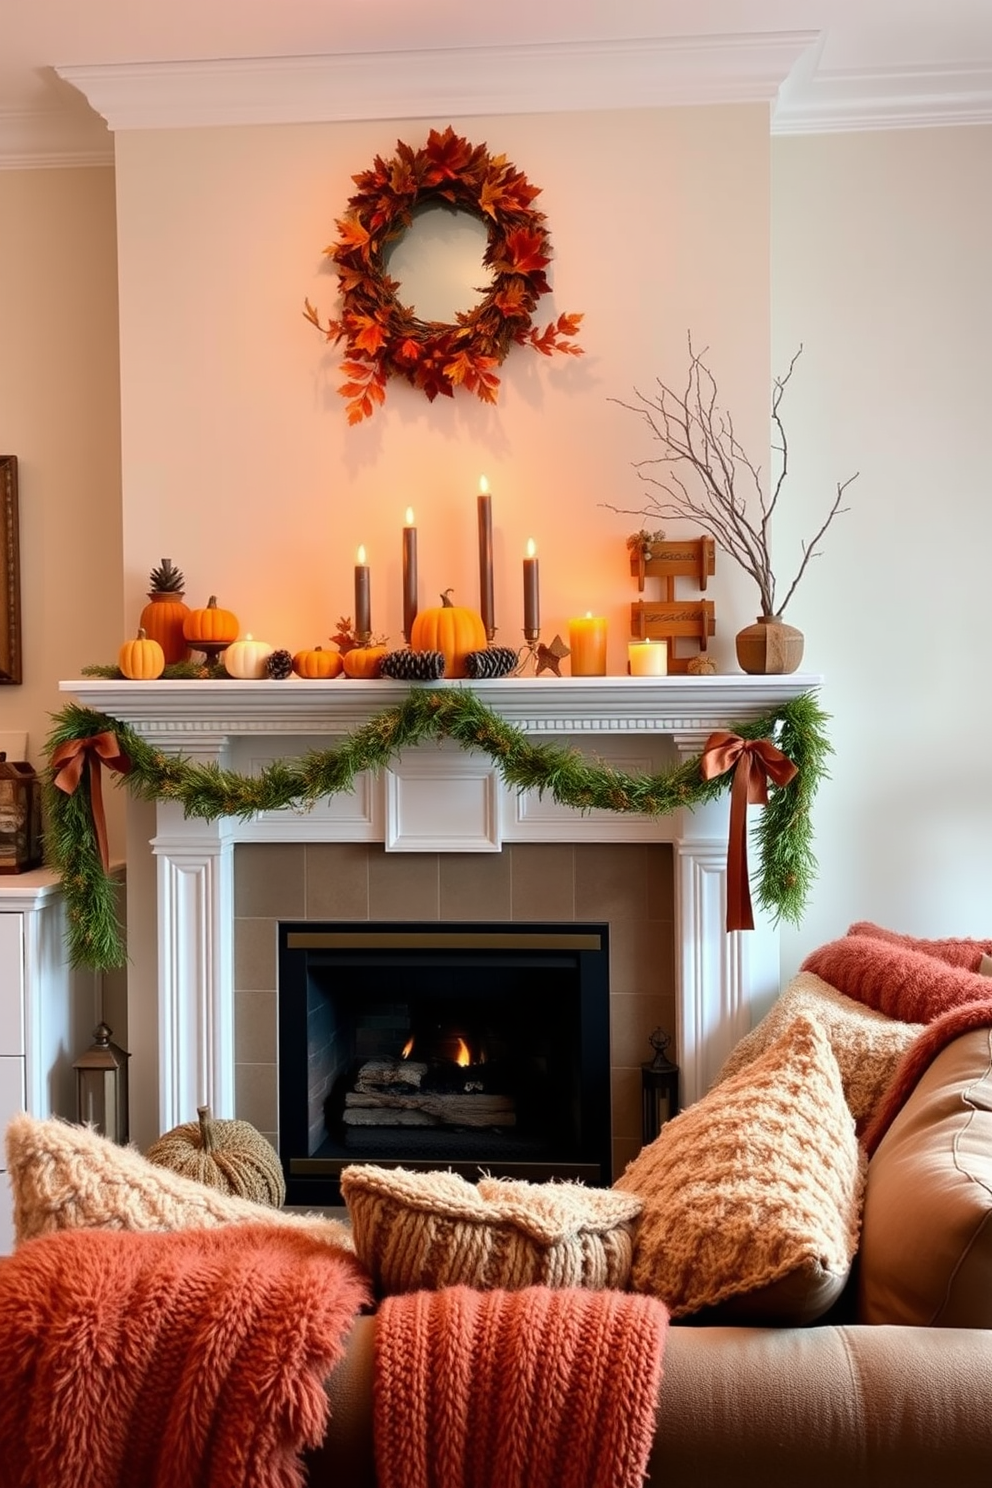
(852, 1406)
(862, 1404)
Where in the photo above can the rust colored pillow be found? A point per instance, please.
(970, 955)
(897, 980)
(926, 1248)
(752, 1196)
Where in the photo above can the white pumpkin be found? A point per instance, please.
(247, 658)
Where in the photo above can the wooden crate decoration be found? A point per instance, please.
(690, 621)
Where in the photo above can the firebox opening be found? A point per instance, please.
(480, 1048)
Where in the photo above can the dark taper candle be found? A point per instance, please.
(410, 604)
(363, 599)
(486, 559)
(532, 594)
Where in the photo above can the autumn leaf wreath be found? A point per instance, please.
(385, 338)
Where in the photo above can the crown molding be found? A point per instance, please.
(49, 138)
(459, 82)
(916, 97)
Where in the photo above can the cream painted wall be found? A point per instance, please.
(882, 246)
(60, 415)
(238, 462)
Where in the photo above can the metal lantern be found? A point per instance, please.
(659, 1087)
(101, 1086)
(20, 816)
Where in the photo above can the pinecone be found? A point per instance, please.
(494, 661)
(166, 579)
(413, 666)
(278, 665)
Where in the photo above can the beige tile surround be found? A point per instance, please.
(628, 884)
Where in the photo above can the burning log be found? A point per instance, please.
(454, 1108)
(381, 1074)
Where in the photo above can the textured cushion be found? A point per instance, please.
(67, 1177)
(428, 1230)
(926, 1250)
(896, 979)
(757, 1187)
(971, 955)
(866, 1044)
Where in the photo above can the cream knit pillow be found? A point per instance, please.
(866, 1044)
(67, 1177)
(418, 1231)
(753, 1194)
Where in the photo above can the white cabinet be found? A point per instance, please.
(46, 1011)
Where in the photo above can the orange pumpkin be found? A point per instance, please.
(211, 624)
(317, 663)
(363, 661)
(141, 660)
(451, 629)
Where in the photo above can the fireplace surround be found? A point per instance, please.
(438, 800)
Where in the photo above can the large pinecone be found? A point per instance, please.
(413, 666)
(494, 661)
(166, 579)
(278, 665)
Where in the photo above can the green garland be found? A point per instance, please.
(95, 937)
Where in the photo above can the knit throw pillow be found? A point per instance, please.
(67, 1177)
(894, 978)
(970, 955)
(428, 1230)
(866, 1044)
(752, 1196)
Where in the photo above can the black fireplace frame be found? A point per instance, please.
(314, 1181)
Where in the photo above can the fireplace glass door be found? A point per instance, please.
(479, 1048)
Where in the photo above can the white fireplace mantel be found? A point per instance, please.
(720, 977)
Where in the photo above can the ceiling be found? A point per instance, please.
(69, 66)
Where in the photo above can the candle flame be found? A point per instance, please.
(409, 516)
(531, 548)
(360, 557)
(483, 486)
(588, 614)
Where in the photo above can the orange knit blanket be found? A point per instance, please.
(537, 1388)
(169, 1360)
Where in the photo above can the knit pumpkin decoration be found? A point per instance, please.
(227, 1155)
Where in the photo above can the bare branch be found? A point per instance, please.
(699, 436)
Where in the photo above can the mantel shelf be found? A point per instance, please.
(175, 712)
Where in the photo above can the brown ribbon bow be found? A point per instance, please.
(752, 760)
(67, 767)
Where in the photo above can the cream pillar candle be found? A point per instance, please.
(648, 658)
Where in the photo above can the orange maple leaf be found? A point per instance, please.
(353, 235)
(523, 251)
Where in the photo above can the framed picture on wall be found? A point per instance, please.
(10, 574)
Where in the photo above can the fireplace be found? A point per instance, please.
(474, 1047)
(437, 801)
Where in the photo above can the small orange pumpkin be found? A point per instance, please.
(141, 660)
(317, 663)
(363, 661)
(451, 629)
(211, 624)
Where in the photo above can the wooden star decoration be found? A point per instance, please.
(550, 658)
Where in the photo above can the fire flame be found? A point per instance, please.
(407, 1048)
(463, 1058)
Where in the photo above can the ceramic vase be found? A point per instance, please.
(769, 647)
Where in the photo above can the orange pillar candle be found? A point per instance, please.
(410, 602)
(363, 600)
(587, 643)
(648, 658)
